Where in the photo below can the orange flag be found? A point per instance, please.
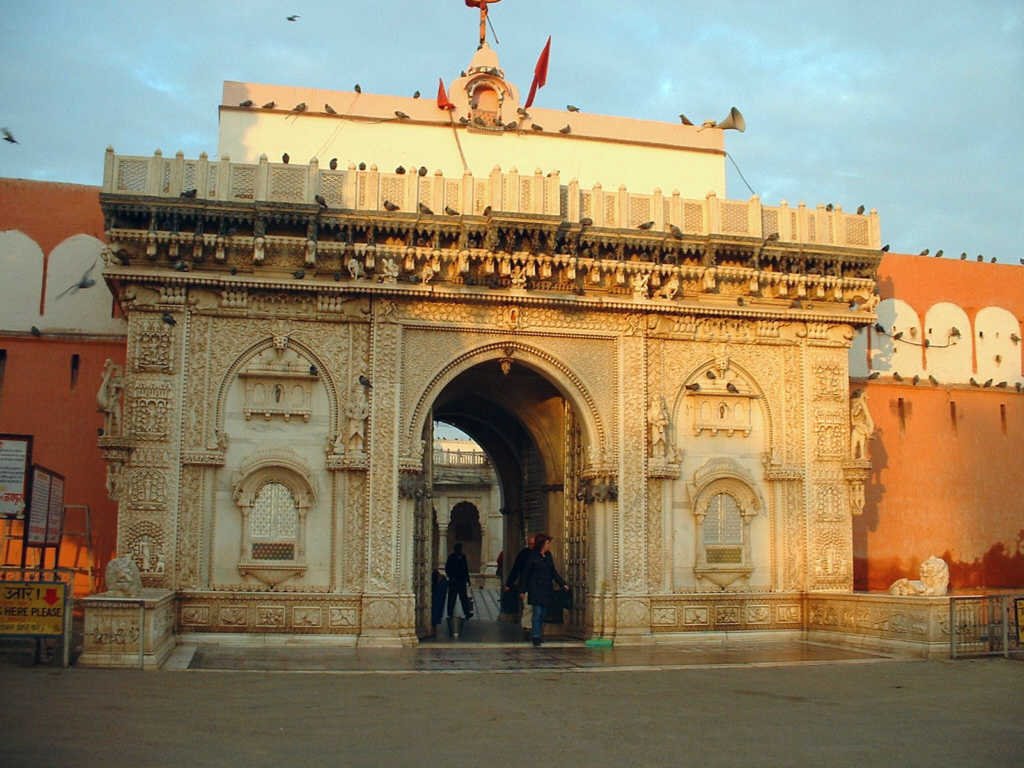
(442, 96)
(540, 73)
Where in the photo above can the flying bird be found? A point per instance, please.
(321, 201)
(365, 382)
(684, 119)
(270, 105)
(566, 129)
(246, 103)
(389, 206)
(293, 17)
(329, 109)
(85, 281)
(425, 210)
(8, 136)
(645, 225)
(401, 115)
(168, 318)
(450, 211)
(333, 165)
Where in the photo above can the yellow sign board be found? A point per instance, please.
(1019, 603)
(31, 608)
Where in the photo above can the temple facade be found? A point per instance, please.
(660, 380)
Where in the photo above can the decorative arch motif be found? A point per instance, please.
(567, 382)
(279, 486)
(756, 393)
(722, 489)
(251, 352)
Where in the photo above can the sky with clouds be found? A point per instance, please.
(907, 106)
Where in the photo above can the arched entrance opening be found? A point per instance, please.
(531, 437)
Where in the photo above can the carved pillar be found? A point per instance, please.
(388, 602)
(633, 604)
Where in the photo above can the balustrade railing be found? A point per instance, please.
(501, 191)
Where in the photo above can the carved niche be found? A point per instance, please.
(153, 347)
(278, 384)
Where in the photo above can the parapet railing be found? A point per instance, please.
(369, 189)
(986, 625)
(460, 458)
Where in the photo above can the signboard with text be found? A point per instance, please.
(32, 608)
(1019, 604)
(15, 459)
(45, 508)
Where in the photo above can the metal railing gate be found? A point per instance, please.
(985, 625)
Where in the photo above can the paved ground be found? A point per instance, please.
(850, 711)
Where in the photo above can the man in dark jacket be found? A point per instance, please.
(511, 587)
(537, 579)
(457, 570)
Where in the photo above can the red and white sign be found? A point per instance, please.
(15, 456)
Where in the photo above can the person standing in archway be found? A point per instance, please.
(457, 570)
(511, 588)
(537, 580)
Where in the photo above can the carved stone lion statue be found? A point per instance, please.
(123, 578)
(934, 580)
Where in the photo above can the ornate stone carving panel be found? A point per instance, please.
(632, 503)
(383, 524)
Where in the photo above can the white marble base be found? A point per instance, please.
(115, 627)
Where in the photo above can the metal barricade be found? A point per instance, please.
(985, 625)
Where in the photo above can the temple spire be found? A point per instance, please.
(483, 6)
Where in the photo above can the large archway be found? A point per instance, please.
(531, 435)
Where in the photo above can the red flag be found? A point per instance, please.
(442, 96)
(540, 73)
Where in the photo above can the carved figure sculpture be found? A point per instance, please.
(670, 288)
(519, 278)
(934, 580)
(657, 418)
(108, 398)
(356, 411)
(123, 579)
(427, 273)
(388, 270)
(639, 283)
(354, 267)
(861, 426)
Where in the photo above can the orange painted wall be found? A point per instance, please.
(935, 488)
(37, 398)
(36, 393)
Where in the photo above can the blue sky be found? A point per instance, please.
(910, 107)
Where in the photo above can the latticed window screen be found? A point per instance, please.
(273, 523)
(723, 523)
